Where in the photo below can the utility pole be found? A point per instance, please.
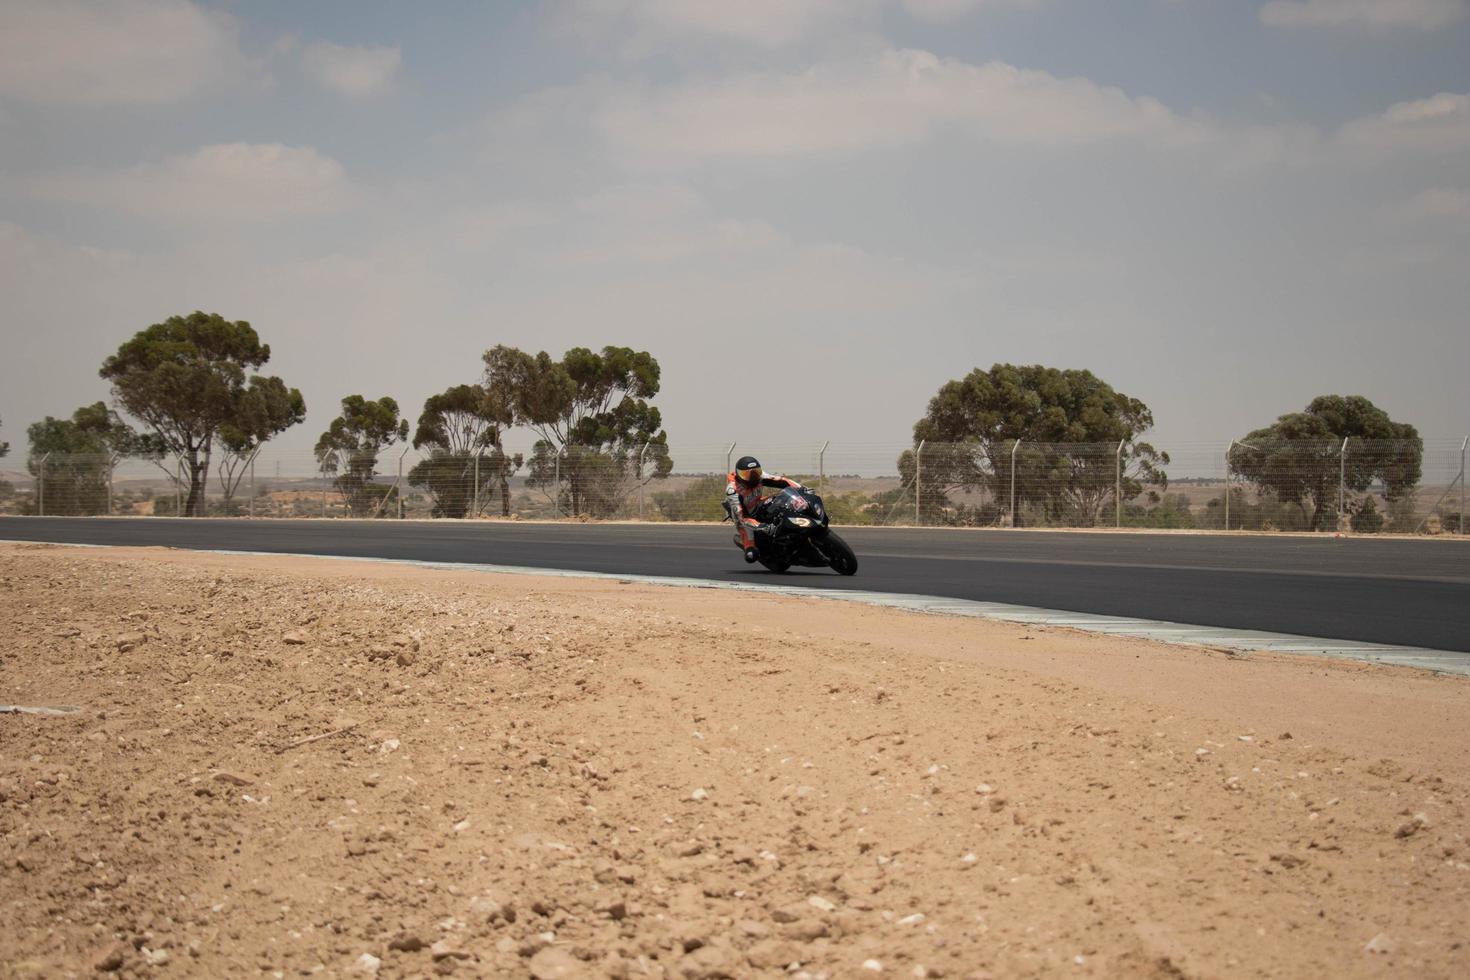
(918, 471)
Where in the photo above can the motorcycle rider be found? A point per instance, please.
(743, 497)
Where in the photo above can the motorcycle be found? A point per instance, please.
(802, 536)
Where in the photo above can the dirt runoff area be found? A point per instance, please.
(289, 766)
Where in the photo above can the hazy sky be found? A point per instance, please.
(813, 212)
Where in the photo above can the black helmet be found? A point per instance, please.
(748, 470)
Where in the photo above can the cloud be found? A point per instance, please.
(764, 23)
(245, 182)
(1437, 204)
(116, 52)
(942, 11)
(1440, 123)
(899, 97)
(1424, 15)
(353, 72)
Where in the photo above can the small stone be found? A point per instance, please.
(818, 902)
(367, 963)
(128, 641)
(1412, 827)
(912, 920)
(67, 632)
(554, 963)
(155, 957)
(407, 942)
(985, 789)
(873, 965)
(295, 639)
(968, 860)
(221, 776)
(389, 745)
(109, 959)
(405, 658)
(699, 794)
(441, 950)
(1379, 944)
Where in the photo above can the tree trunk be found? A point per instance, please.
(198, 474)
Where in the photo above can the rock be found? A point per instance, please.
(756, 930)
(389, 745)
(441, 950)
(873, 965)
(771, 954)
(969, 860)
(709, 963)
(367, 963)
(912, 920)
(295, 639)
(1379, 944)
(788, 913)
(494, 906)
(155, 957)
(699, 794)
(405, 658)
(554, 963)
(108, 959)
(818, 902)
(1412, 827)
(221, 776)
(67, 632)
(407, 942)
(128, 641)
(379, 652)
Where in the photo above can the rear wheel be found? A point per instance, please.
(839, 555)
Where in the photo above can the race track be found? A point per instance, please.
(1410, 593)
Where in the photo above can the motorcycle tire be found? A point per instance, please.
(775, 564)
(839, 555)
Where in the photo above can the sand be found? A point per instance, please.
(287, 766)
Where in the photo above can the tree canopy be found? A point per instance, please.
(461, 427)
(4, 449)
(1299, 457)
(598, 431)
(352, 443)
(188, 378)
(82, 452)
(1069, 423)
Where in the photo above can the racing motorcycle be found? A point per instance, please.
(801, 536)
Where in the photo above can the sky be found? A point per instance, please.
(812, 212)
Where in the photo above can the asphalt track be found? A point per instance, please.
(1402, 592)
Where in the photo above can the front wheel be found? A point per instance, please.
(838, 554)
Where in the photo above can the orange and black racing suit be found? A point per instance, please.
(741, 501)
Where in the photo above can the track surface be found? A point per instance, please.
(1412, 593)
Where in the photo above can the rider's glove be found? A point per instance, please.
(769, 530)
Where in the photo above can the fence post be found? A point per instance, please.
(822, 466)
(918, 471)
(1118, 485)
(729, 455)
(252, 486)
(476, 514)
(324, 489)
(41, 486)
(1341, 482)
(638, 470)
(1462, 484)
(1014, 446)
(1227, 483)
(400, 481)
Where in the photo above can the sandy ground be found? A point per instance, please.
(521, 776)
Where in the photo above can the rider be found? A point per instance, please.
(743, 497)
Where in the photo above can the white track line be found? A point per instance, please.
(1181, 634)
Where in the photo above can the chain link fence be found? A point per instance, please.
(1354, 485)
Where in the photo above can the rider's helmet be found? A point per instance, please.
(748, 471)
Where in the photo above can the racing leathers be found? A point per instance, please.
(742, 500)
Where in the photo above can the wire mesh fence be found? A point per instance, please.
(1353, 485)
